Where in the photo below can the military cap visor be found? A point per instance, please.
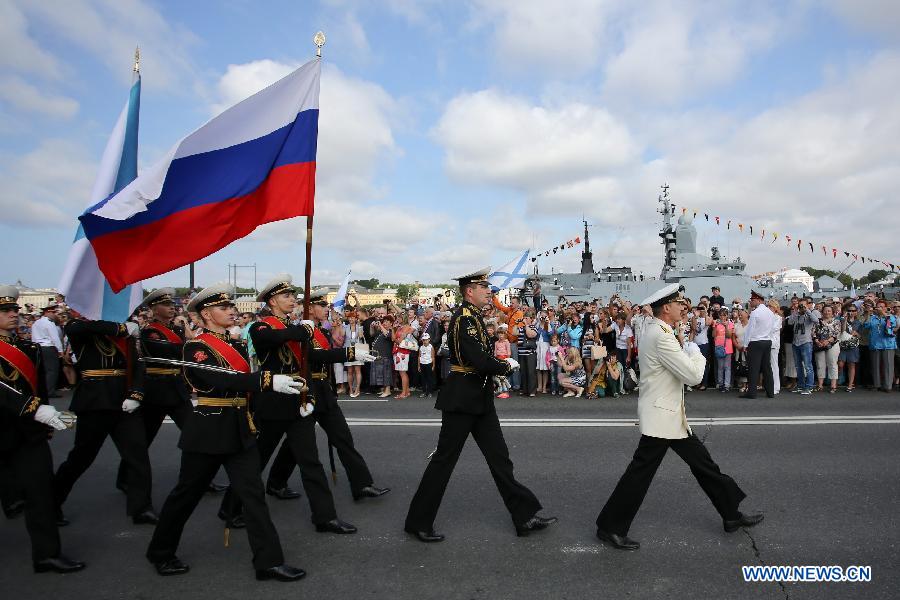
(9, 297)
(160, 296)
(215, 295)
(282, 282)
(670, 293)
(479, 277)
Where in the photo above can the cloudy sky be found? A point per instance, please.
(457, 134)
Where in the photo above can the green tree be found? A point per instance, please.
(874, 275)
(405, 291)
(369, 284)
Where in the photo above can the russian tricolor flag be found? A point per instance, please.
(253, 164)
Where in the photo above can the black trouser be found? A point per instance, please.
(528, 371)
(153, 417)
(626, 499)
(31, 470)
(455, 429)
(197, 471)
(50, 356)
(335, 426)
(427, 374)
(759, 357)
(127, 432)
(704, 350)
(413, 372)
(864, 367)
(301, 443)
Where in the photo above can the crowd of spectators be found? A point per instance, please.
(579, 348)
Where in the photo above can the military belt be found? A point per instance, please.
(103, 373)
(222, 402)
(162, 371)
(462, 369)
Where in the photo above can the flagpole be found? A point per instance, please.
(319, 41)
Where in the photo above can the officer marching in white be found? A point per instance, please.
(665, 369)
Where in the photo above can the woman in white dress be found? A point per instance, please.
(337, 341)
(353, 334)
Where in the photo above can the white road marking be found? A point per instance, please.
(752, 420)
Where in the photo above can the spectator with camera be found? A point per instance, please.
(848, 356)
(826, 349)
(882, 327)
(804, 321)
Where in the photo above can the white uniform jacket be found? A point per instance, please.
(665, 369)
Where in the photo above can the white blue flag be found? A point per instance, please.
(84, 286)
(341, 299)
(511, 275)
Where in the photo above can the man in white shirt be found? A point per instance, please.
(758, 336)
(665, 371)
(45, 333)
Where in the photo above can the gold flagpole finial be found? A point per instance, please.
(319, 41)
(137, 59)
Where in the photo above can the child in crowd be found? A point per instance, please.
(553, 364)
(597, 386)
(426, 365)
(613, 375)
(587, 340)
(502, 351)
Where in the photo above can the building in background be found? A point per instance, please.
(800, 276)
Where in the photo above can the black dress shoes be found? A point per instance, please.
(215, 488)
(370, 491)
(535, 523)
(283, 493)
(148, 517)
(14, 509)
(426, 536)
(281, 573)
(619, 542)
(58, 564)
(173, 566)
(335, 526)
(235, 522)
(744, 521)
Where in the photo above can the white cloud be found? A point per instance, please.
(564, 152)
(881, 17)
(674, 51)
(48, 186)
(18, 50)
(110, 30)
(561, 39)
(27, 98)
(817, 167)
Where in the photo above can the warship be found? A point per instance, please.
(682, 264)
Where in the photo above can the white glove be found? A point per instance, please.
(285, 384)
(306, 409)
(308, 322)
(133, 329)
(48, 415)
(692, 349)
(365, 356)
(512, 363)
(130, 405)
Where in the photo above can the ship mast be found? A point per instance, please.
(667, 233)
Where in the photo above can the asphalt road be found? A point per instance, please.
(828, 485)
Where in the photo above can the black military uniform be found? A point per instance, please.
(24, 449)
(329, 416)
(219, 432)
(275, 341)
(466, 402)
(97, 400)
(165, 391)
